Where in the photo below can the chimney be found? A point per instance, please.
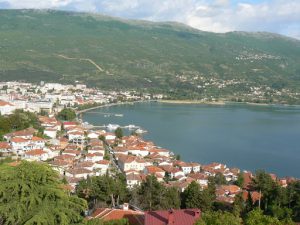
(125, 206)
(171, 219)
(197, 213)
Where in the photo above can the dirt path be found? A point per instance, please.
(82, 59)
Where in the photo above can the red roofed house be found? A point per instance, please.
(94, 157)
(106, 214)
(174, 217)
(131, 163)
(69, 124)
(133, 179)
(5, 148)
(6, 108)
(101, 166)
(36, 155)
(156, 171)
(26, 134)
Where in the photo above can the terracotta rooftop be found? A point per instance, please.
(174, 217)
(106, 214)
(35, 152)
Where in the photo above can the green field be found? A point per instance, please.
(118, 54)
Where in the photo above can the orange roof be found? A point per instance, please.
(4, 145)
(106, 214)
(18, 140)
(4, 103)
(154, 169)
(35, 152)
(35, 138)
(103, 162)
(232, 189)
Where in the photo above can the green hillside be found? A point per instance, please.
(165, 57)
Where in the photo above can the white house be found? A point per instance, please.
(6, 108)
(94, 157)
(133, 179)
(50, 132)
(36, 155)
(131, 163)
(79, 173)
(101, 167)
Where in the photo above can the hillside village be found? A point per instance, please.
(77, 152)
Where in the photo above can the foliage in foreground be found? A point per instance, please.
(32, 194)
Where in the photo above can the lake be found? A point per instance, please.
(239, 135)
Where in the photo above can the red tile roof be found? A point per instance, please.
(106, 214)
(4, 103)
(4, 145)
(35, 152)
(176, 217)
(19, 140)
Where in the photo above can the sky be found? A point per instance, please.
(276, 16)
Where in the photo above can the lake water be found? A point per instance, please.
(244, 136)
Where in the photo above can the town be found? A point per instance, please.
(78, 151)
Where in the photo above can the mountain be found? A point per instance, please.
(113, 53)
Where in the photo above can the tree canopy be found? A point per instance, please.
(67, 114)
(32, 194)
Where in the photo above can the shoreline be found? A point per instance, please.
(190, 102)
(111, 104)
(223, 102)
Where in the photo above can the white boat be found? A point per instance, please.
(132, 127)
(119, 115)
(112, 126)
(140, 131)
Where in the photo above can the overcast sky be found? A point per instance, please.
(278, 16)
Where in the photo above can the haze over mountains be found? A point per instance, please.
(114, 53)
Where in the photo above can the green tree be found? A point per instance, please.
(256, 217)
(220, 179)
(31, 193)
(170, 198)
(240, 180)
(238, 205)
(264, 183)
(67, 114)
(150, 194)
(119, 133)
(191, 196)
(219, 218)
(103, 189)
(293, 193)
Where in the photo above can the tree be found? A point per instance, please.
(119, 133)
(219, 218)
(67, 114)
(240, 180)
(106, 190)
(238, 205)
(293, 193)
(219, 179)
(110, 222)
(194, 197)
(170, 198)
(264, 183)
(150, 193)
(191, 196)
(256, 217)
(31, 193)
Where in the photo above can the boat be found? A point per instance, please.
(132, 127)
(140, 131)
(112, 126)
(119, 115)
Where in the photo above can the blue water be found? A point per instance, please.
(243, 136)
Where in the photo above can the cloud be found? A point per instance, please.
(279, 16)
